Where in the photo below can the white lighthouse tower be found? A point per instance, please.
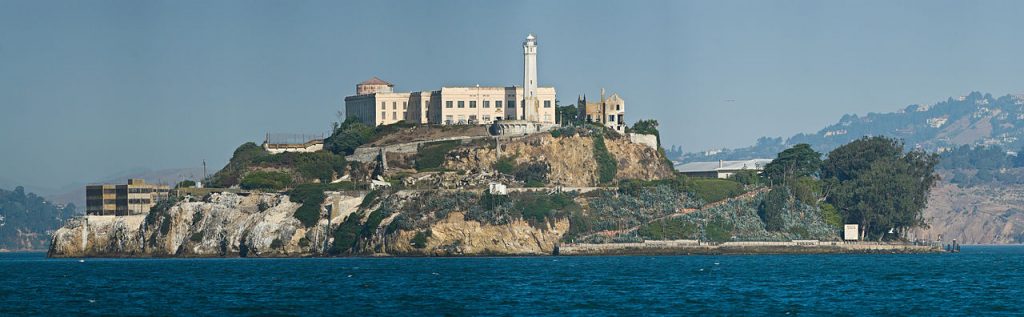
(530, 79)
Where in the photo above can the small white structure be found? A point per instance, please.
(497, 189)
(851, 232)
(300, 143)
(721, 169)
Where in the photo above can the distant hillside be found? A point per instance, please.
(27, 220)
(975, 119)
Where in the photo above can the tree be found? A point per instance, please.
(567, 115)
(349, 135)
(649, 126)
(875, 184)
(798, 161)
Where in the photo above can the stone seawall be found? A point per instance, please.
(679, 247)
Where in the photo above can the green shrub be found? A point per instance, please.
(349, 135)
(831, 215)
(669, 229)
(505, 165)
(241, 159)
(186, 184)
(431, 155)
(718, 230)
(712, 189)
(266, 180)
(346, 234)
(538, 209)
(311, 166)
(276, 244)
(311, 196)
(369, 198)
(772, 208)
(373, 221)
(746, 177)
(607, 167)
(304, 242)
(419, 240)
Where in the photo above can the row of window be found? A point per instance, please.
(497, 104)
(394, 105)
(394, 115)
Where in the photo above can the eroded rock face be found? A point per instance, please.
(456, 236)
(571, 159)
(226, 225)
(263, 225)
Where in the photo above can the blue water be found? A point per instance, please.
(978, 281)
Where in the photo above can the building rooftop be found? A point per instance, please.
(375, 81)
(752, 164)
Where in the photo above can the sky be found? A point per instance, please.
(90, 89)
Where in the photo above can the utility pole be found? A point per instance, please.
(204, 172)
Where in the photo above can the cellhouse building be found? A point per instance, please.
(377, 103)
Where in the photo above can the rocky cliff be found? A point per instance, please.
(263, 225)
(222, 225)
(570, 159)
(982, 214)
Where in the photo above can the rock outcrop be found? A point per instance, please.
(570, 159)
(224, 225)
(454, 235)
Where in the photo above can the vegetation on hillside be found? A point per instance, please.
(289, 168)
(26, 218)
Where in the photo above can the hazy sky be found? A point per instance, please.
(92, 88)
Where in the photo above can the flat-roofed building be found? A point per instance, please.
(377, 103)
(134, 198)
(721, 169)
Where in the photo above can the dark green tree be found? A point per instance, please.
(349, 135)
(872, 182)
(649, 126)
(797, 161)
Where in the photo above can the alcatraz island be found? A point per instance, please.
(471, 171)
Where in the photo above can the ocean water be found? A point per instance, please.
(979, 281)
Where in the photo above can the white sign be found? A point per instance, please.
(851, 231)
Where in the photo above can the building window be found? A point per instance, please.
(404, 105)
(383, 105)
(611, 118)
(618, 107)
(394, 116)
(497, 104)
(462, 104)
(383, 115)
(462, 119)
(448, 119)
(523, 103)
(448, 104)
(472, 103)
(547, 103)
(487, 103)
(404, 115)
(487, 118)
(511, 104)
(394, 105)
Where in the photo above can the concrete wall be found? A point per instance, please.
(649, 140)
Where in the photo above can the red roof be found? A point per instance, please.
(375, 81)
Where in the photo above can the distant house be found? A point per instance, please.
(720, 169)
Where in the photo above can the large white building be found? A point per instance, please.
(376, 102)
(721, 169)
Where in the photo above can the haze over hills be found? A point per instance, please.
(978, 197)
(974, 119)
(75, 192)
